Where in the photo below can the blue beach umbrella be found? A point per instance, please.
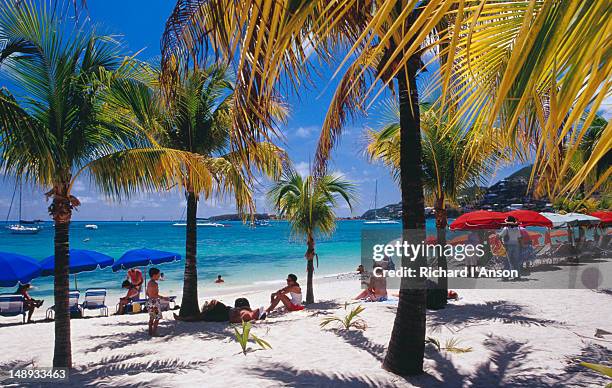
(144, 257)
(17, 268)
(81, 260)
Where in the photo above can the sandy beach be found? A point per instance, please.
(517, 338)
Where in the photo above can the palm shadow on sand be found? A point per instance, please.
(492, 311)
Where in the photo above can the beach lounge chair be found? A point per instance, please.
(73, 301)
(12, 306)
(94, 300)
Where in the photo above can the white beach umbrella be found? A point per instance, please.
(558, 220)
(582, 219)
(571, 219)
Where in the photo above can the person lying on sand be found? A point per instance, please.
(293, 302)
(132, 293)
(377, 288)
(215, 311)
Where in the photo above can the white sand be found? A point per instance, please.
(519, 338)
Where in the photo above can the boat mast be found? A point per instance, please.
(20, 187)
(375, 198)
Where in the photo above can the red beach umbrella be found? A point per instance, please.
(479, 219)
(604, 215)
(530, 218)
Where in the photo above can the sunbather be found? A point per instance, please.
(377, 288)
(215, 311)
(132, 293)
(29, 303)
(293, 302)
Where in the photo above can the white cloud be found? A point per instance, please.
(302, 168)
(305, 132)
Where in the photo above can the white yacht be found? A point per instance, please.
(378, 220)
(91, 226)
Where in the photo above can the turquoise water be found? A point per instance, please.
(242, 255)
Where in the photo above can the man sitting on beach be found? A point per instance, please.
(132, 293)
(293, 302)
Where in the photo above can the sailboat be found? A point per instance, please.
(378, 220)
(22, 227)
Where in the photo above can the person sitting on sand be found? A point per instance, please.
(295, 292)
(154, 301)
(29, 303)
(132, 293)
(219, 279)
(377, 288)
(215, 311)
(360, 269)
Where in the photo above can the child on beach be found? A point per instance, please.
(153, 301)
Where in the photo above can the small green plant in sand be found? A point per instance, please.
(451, 345)
(243, 338)
(351, 320)
(603, 369)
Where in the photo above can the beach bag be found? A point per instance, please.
(136, 308)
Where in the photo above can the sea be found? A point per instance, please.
(242, 255)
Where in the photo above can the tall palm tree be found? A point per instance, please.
(308, 204)
(197, 118)
(487, 50)
(60, 126)
(453, 160)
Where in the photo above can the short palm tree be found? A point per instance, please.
(453, 160)
(60, 127)
(308, 205)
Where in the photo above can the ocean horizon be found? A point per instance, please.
(242, 255)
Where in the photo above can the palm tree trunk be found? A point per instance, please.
(62, 214)
(407, 343)
(310, 253)
(441, 222)
(189, 304)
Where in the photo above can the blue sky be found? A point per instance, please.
(141, 24)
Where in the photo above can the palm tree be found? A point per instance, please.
(487, 51)
(61, 127)
(196, 118)
(453, 160)
(308, 204)
(199, 122)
